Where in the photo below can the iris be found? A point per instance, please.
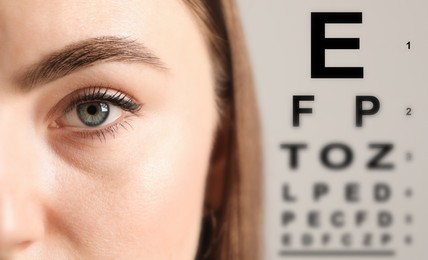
(93, 114)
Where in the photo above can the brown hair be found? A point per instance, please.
(237, 233)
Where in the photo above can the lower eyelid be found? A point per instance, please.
(101, 133)
(112, 131)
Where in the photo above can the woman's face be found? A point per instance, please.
(107, 118)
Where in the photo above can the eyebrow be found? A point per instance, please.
(83, 54)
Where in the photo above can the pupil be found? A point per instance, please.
(92, 110)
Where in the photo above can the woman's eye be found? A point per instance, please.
(96, 112)
(91, 115)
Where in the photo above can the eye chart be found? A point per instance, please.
(343, 94)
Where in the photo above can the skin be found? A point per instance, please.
(136, 195)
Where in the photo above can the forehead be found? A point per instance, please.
(59, 15)
(32, 28)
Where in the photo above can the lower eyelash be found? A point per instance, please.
(110, 130)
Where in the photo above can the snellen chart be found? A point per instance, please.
(344, 97)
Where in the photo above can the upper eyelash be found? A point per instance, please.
(101, 94)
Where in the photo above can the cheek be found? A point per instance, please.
(143, 190)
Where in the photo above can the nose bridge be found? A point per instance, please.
(21, 218)
(18, 142)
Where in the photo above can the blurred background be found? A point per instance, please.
(346, 176)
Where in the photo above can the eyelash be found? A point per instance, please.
(100, 94)
(101, 133)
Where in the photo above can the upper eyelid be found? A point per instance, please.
(102, 94)
(75, 100)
